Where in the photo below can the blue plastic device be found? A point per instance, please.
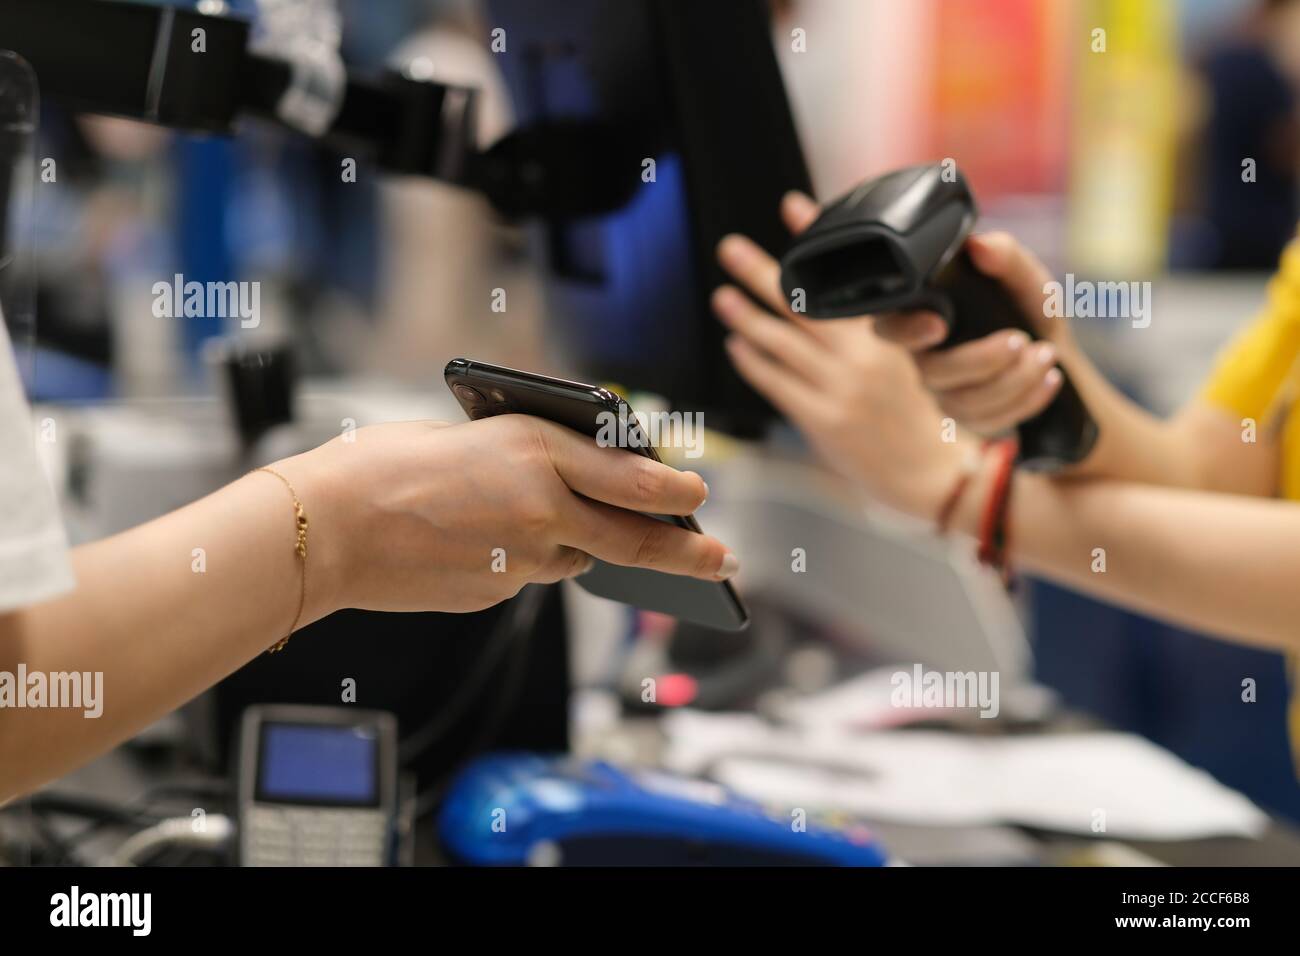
(512, 809)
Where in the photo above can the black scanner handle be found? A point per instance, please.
(975, 305)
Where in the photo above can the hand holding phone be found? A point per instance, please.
(430, 516)
(486, 391)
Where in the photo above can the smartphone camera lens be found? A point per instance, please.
(467, 393)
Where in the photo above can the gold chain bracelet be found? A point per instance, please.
(300, 549)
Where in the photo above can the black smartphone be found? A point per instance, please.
(485, 390)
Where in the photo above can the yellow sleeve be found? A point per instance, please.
(1251, 377)
(1250, 373)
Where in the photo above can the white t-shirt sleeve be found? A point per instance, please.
(33, 545)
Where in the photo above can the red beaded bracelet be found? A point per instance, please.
(995, 533)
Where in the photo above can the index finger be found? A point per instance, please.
(620, 477)
(972, 363)
(750, 264)
(635, 540)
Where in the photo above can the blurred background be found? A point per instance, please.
(1121, 161)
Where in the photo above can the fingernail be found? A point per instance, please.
(730, 565)
(591, 563)
(935, 331)
(1046, 354)
(1053, 378)
(734, 301)
(1017, 341)
(706, 490)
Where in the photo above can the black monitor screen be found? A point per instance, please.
(696, 88)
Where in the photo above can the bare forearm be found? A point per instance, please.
(1223, 564)
(408, 516)
(1200, 448)
(159, 619)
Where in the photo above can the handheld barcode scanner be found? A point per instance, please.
(898, 242)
